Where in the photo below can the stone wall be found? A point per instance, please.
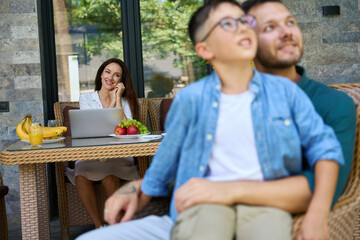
(20, 84)
(332, 44)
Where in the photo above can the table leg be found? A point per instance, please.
(35, 222)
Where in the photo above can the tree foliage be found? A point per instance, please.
(164, 27)
(164, 30)
(160, 85)
(104, 13)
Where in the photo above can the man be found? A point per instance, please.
(200, 190)
(280, 47)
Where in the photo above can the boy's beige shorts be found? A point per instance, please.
(240, 222)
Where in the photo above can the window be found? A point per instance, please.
(170, 62)
(89, 32)
(78, 35)
(86, 34)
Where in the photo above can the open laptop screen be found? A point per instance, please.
(94, 122)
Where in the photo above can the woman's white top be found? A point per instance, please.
(92, 101)
(123, 168)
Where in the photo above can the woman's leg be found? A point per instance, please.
(110, 183)
(86, 192)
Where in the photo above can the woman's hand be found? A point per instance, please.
(119, 90)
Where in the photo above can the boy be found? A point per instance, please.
(235, 125)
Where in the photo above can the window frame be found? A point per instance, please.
(130, 17)
(133, 58)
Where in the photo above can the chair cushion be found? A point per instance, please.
(164, 108)
(3, 191)
(66, 122)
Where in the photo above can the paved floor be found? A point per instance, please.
(15, 231)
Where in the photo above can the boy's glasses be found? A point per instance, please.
(231, 24)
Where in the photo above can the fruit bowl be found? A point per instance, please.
(128, 136)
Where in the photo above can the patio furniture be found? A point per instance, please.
(344, 221)
(35, 220)
(158, 108)
(71, 211)
(3, 221)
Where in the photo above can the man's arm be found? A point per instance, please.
(314, 225)
(126, 200)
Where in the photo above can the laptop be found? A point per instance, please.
(89, 123)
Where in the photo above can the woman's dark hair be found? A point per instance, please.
(202, 14)
(247, 5)
(129, 93)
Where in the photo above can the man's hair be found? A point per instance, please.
(249, 4)
(202, 14)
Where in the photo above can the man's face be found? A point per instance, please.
(280, 43)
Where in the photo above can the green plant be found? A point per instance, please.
(160, 85)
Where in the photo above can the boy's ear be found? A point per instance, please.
(203, 51)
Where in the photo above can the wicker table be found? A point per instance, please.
(35, 222)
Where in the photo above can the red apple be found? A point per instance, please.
(132, 130)
(120, 131)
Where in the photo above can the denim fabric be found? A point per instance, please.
(284, 121)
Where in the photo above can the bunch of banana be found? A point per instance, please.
(22, 130)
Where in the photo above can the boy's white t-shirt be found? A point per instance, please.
(234, 155)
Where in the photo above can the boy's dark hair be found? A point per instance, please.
(201, 15)
(247, 5)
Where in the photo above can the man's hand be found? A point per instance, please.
(125, 199)
(198, 190)
(315, 225)
(313, 228)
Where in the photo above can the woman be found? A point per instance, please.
(113, 88)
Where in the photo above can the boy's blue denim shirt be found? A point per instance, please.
(284, 121)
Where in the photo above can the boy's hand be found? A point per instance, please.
(124, 201)
(313, 228)
(199, 190)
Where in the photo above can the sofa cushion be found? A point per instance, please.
(66, 122)
(164, 108)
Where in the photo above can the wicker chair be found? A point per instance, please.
(155, 112)
(3, 221)
(71, 211)
(344, 221)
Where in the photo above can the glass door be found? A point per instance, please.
(170, 62)
(86, 34)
